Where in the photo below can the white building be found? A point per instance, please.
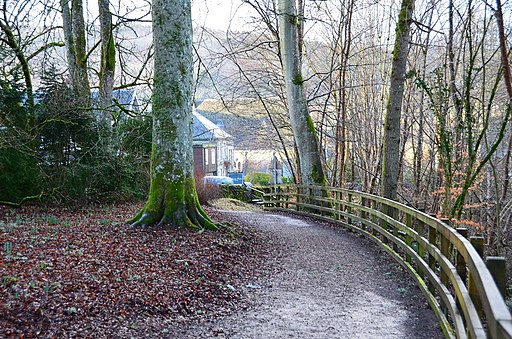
(213, 147)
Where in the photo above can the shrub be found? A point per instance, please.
(83, 161)
(259, 178)
(206, 191)
(58, 149)
(19, 175)
(19, 172)
(287, 180)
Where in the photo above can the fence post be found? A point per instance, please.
(445, 250)
(337, 204)
(408, 240)
(363, 213)
(277, 190)
(432, 239)
(395, 215)
(498, 268)
(309, 198)
(460, 263)
(298, 198)
(419, 227)
(478, 244)
(374, 217)
(349, 208)
(286, 204)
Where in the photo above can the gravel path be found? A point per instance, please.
(329, 283)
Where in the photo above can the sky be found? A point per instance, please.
(215, 14)
(219, 14)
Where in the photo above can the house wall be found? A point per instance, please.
(225, 156)
(205, 160)
(210, 160)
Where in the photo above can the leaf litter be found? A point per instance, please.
(81, 272)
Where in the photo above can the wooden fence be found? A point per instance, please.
(465, 292)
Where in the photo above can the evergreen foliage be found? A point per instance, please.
(19, 175)
(63, 154)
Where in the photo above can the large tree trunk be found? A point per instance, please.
(74, 36)
(172, 195)
(82, 79)
(507, 74)
(311, 170)
(108, 62)
(391, 144)
(68, 38)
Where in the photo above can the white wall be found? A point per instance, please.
(225, 151)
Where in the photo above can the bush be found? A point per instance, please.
(59, 149)
(259, 178)
(237, 192)
(19, 175)
(207, 191)
(287, 180)
(83, 161)
(19, 172)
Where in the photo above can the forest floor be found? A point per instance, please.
(68, 272)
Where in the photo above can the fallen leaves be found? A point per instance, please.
(82, 271)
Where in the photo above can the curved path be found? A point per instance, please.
(331, 284)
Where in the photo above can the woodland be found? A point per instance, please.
(408, 99)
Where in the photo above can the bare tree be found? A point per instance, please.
(74, 35)
(304, 130)
(391, 144)
(107, 60)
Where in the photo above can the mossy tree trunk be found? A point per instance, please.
(391, 145)
(108, 62)
(10, 40)
(311, 170)
(507, 75)
(172, 199)
(76, 49)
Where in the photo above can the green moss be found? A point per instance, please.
(317, 175)
(111, 54)
(175, 93)
(173, 203)
(183, 70)
(294, 20)
(311, 125)
(298, 80)
(403, 24)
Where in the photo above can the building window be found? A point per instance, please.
(213, 156)
(206, 157)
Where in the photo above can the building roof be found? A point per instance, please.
(126, 97)
(248, 122)
(205, 130)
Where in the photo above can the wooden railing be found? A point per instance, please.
(457, 283)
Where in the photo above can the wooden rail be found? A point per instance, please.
(447, 266)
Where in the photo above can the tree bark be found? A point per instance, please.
(454, 93)
(74, 36)
(172, 197)
(391, 143)
(507, 74)
(108, 62)
(68, 39)
(311, 170)
(25, 67)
